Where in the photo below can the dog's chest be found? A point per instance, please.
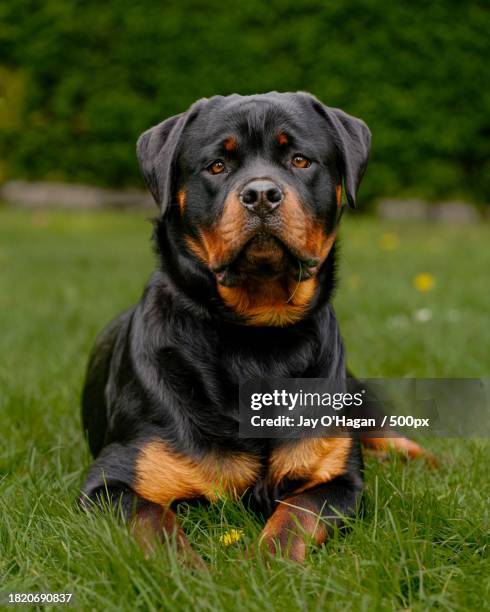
(164, 476)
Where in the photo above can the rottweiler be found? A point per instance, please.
(250, 191)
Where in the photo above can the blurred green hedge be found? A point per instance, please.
(79, 80)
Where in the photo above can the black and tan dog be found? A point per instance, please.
(250, 194)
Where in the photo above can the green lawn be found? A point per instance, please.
(423, 541)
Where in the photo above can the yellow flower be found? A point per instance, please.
(230, 537)
(389, 242)
(423, 282)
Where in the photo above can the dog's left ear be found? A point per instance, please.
(353, 140)
(157, 151)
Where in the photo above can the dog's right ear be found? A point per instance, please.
(157, 151)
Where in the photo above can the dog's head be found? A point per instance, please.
(255, 186)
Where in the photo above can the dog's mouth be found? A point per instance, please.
(265, 257)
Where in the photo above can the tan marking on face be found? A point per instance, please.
(338, 195)
(265, 303)
(163, 476)
(315, 460)
(196, 247)
(302, 231)
(181, 200)
(230, 144)
(319, 243)
(217, 244)
(295, 219)
(282, 139)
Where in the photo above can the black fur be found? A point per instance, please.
(170, 367)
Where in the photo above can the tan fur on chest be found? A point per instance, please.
(163, 476)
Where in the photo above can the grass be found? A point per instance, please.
(422, 543)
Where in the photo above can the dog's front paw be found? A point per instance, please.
(289, 532)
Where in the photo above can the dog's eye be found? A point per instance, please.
(216, 167)
(299, 161)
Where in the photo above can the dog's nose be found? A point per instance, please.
(261, 197)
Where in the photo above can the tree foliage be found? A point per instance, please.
(79, 80)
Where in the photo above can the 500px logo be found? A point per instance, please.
(300, 399)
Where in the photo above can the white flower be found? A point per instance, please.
(422, 315)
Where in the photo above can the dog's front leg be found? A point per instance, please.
(308, 517)
(151, 524)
